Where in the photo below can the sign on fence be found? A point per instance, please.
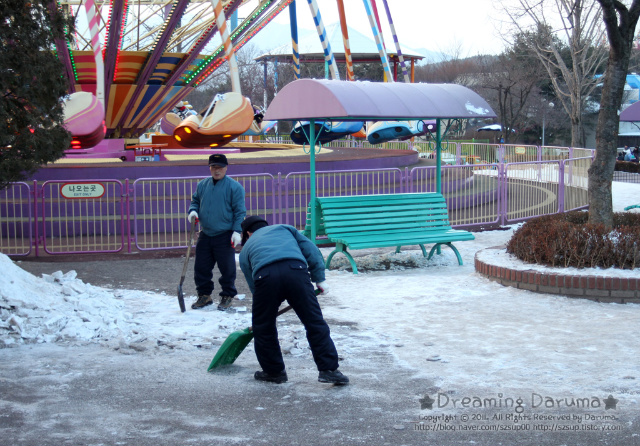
(82, 190)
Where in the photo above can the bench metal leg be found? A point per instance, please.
(424, 251)
(450, 246)
(341, 248)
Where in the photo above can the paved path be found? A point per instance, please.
(53, 395)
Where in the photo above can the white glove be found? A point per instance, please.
(323, 287)
(193, 216)
(236, 239)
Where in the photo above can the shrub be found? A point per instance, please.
(627, 166)
(567, 240)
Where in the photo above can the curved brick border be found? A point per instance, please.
(597, 288)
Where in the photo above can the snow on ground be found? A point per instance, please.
(441, 320)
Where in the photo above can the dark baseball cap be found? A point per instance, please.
(218, 159)
(252, 224)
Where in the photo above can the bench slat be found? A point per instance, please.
(351, 232)
(396, 224)
(382, 217)
(363, 242)
(437, 208)
(400, 234)
(383, 198)
(429, 203)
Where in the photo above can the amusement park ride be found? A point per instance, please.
(134, 61)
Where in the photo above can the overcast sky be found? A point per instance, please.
(437, 25)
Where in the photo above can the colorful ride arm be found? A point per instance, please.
(294, 38)
(397, 43)
(378, 38)
(221, 22)
(345, 39)
(328, 53)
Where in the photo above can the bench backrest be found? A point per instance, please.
(380, 213)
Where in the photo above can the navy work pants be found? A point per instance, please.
(288, 280)
(212, 250)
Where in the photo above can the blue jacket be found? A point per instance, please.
(279, 242)
(221, 207)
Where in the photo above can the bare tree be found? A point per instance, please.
(575, 26)
(508, 82)
(620, 23)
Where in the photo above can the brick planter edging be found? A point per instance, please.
(596, 288)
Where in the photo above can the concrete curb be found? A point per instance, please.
(596, 288)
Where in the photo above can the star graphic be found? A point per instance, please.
(426, 403)
(610, 403)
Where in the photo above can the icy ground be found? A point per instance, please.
(442, 321)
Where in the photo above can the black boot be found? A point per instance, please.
(203, 301)
(278, 378)
(225, 302)
(333, 377)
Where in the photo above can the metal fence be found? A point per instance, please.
(105, 216)
(81, 216)
(16, 219)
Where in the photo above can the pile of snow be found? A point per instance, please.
(57, 307)
(60, 308)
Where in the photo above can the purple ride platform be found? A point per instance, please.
(103, 161)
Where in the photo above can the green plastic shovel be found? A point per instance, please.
(234, 345)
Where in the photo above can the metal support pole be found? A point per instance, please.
(438, 165)
(312, 163)
(438, 156)
(265, 85)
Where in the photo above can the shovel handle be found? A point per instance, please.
(287, 308)
(184, 267)
(284, 310)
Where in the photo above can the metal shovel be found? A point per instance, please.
(184, 268)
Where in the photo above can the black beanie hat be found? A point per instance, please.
(252, 224)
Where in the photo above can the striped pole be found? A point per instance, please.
(293, 20)
(345, 39)
(395, 40)
(376, 35)
(94, 29)
(328, 54)
(221, 22)
(375, 14)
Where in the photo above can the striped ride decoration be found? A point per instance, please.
(221, 22)
(377, 37)
(345, 39)
(395, 40)
(328, 53)
(94, 26)
(375, 14)
(293, 20)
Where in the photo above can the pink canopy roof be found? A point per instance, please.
(306, 99)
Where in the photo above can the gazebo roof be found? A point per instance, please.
(306, 99)
(363, 48)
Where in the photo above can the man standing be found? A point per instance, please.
(218, 203)
(279, 264)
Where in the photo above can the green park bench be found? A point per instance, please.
(377, 221)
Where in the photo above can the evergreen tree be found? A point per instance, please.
(32, 87)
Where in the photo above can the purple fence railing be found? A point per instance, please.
(16, 220)
(108, 216)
